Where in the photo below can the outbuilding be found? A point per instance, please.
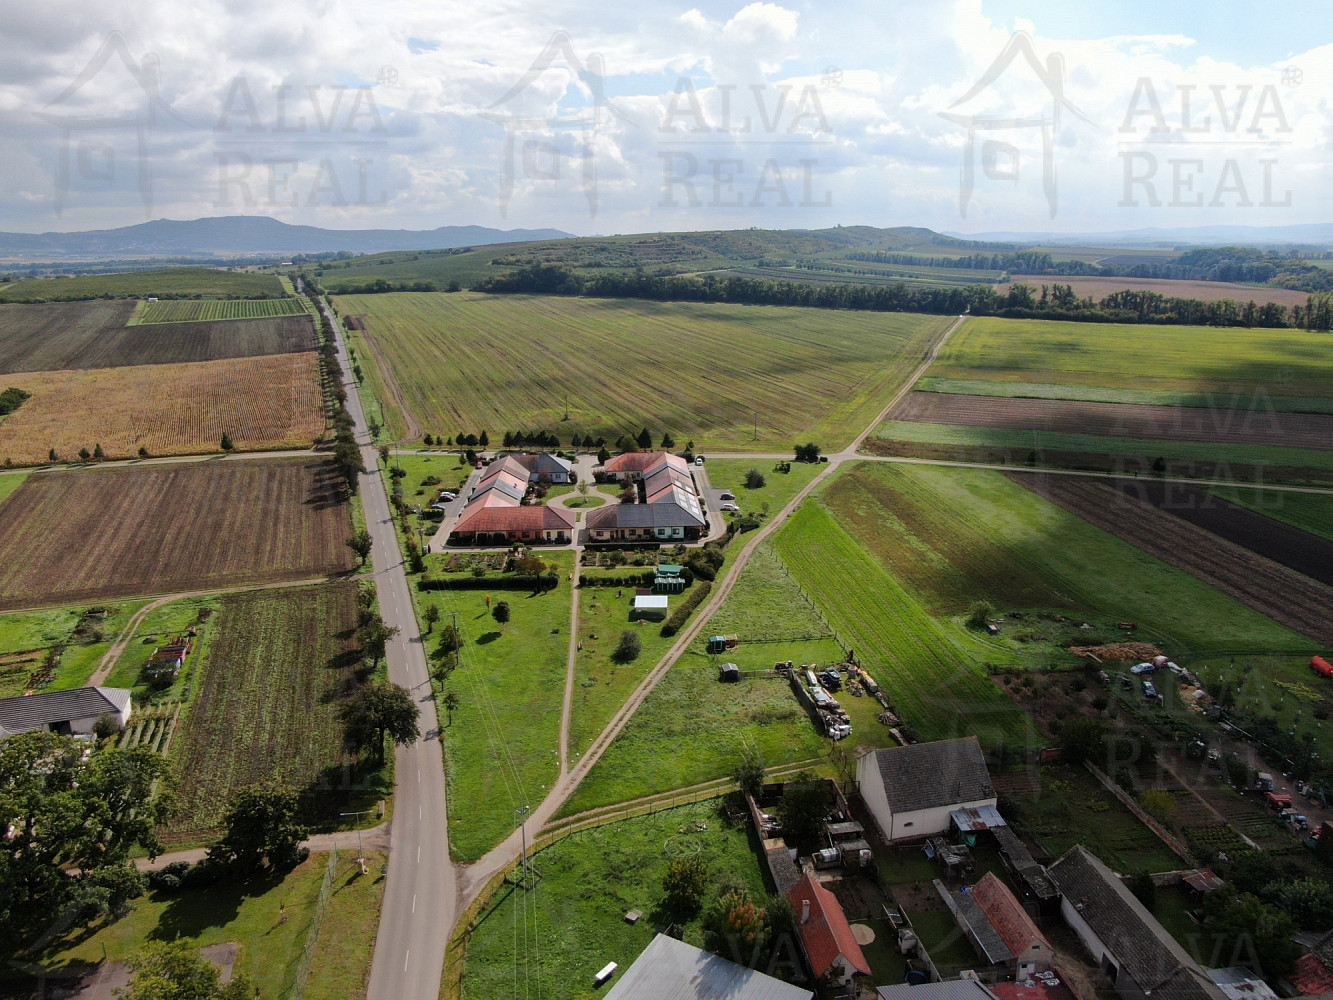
(73, 712)
(911, 791)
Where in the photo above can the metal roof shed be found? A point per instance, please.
(651, 602)
(673, 970)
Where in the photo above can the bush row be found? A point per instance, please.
(685, 608)
(519, 581)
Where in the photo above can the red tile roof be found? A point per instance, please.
(632, 461)
(1312, 976)
(1043, 990)
(534, 518)
(827, 934)
(1007, 916)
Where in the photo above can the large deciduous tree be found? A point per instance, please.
(176, 971)
(262, 827)
(380, 709)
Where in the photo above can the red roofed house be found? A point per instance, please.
(826, 936)
(1031, 952)
(1314, 972)
(495, 514)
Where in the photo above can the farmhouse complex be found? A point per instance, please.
(496, 514)
(670, 509)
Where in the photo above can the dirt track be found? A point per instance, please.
(1271, 589)
(1246, 423)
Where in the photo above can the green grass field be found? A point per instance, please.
(208, 310)
(158, 627)
(699, 371)
(552, 940)
(170, 283)
(501, 748)
(778, 488)
(251, 915)
(1102, 394)
(692, 728)
(1271, 685)
(1165, 358)
(10, 483)
(26, 636)
(1312, 512)
(767, 604)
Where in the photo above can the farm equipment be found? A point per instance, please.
(1321, 666)
(1277, 802)
(722, 643)
(1263, 781)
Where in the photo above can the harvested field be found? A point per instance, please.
(196, 310)
(167, 283)
(1285, 544)
(1269, 588)
(85, 335)
(1221, 425)
(278, 664)
(1205, 291)
(103, 533)
(1119, 652)
(264, 402)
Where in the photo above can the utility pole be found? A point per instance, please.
(360, 856)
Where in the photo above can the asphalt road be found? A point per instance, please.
(421, 894)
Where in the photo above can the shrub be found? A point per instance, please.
(629, 648)
(541, 582)
(684, 609)
(754, 480)
(980, 614)
(747, 523)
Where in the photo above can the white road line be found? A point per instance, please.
(414, 905)
(406, 956)
(418, 854)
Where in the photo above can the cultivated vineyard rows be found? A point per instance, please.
(194, 310)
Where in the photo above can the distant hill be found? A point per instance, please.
(235, 235)
(1310, 234)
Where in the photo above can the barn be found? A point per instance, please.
(911, 790)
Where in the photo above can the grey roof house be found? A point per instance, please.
(71, 712)
(673, 970)
(910, 791)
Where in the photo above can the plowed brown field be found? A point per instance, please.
(105, 533)
(1219, 424)
(267, 402)
(1274, 590)
(1206, 291)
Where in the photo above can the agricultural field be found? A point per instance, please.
(157, 628)
(1312, 512)
(501, 744)
(106, 533)
(43, 338)
(27, 638)
(573, 922)
(278, 664)
(1255, 363)
(810, 374)
(9, 483)
(268, 917)
(201, 310)
(169, 283)
(778, 488)
(261, 402)
(1268, 587)
(1273, 686)
(1136, 421)
(1207, 291)
(1251, 406)
(767, 605)
(954, 536)
(691, 728)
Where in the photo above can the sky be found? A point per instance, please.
(958, 115)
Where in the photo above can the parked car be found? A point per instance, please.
(446, 496)
(1142, 668)
(1149, 691)
(477, 466)
(730, 507)
(726, 495)
(698, 460)
(438, 506)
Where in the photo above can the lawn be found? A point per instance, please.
(451, 472)
(279, 663)
(601, 685)
(25, 638)
(804, 374)
(692, 728)
(1271, 685)
(778, 488)
(1257, 363)
(10, 483)
(252, 915)
(550, 941)
(501, 746)
(767, 604)
(1312, 512)
(158, 627)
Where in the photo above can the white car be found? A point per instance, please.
(446, 497)
(730, 507)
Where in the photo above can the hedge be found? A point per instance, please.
(518, 581)
(685, 608)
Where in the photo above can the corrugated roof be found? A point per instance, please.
(673, 970)
(929, 775)
(1144, 948)
(992, 945)
(642, 515)
(827, 934)
(945, 989)
(977, 818)
(46, 708)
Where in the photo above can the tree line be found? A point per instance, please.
(1020, 301)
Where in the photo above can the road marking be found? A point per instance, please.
(418, 854)
(406, 956)
(414, 908)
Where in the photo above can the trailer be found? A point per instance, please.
(1321, 666)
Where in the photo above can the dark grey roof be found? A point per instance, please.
(1143, 948)
(993, 948)
(673, 970)
(46, 708)
(642, 515)
(1020, 860)
(945, 989)
(929, 775)
(781, 867)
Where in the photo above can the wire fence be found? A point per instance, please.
(312, 934)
